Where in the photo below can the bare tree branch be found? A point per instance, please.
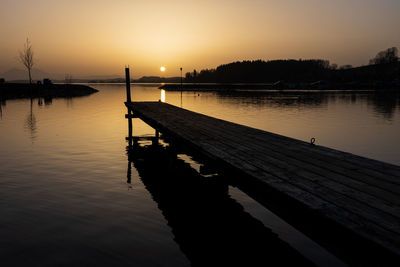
(26, 58)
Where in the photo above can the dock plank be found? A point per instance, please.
(294, 163)
(373, 168)
(360, 194)
(361, 203)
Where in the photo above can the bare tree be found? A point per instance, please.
(26, 58)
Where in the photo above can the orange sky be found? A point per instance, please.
(99, 37)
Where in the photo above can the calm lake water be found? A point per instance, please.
(69, 195)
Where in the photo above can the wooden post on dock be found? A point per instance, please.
(128, 85)
(129, 100)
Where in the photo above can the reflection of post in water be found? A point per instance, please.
(209, 226)
(129, 172)
(133, 142)
(129, 148)
(130, 128)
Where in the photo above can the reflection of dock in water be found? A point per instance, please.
(347, 203)
(211, 228)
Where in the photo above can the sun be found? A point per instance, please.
(162, 68)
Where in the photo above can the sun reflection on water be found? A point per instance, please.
(162, 95)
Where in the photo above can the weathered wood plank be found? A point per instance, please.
(341, 187)
(313, 155)
(327, 206)
(330, 156)
(314, 171)
(358, 193)
(347, 187)
(315, 167)
(367, 164)
(369, 206)
(324, 207)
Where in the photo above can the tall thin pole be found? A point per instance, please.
(128, 85)
(128, 100)
(181, 78)
(181, 87)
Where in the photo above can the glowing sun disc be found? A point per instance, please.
(162, 68)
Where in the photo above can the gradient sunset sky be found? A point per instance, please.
(100, 37)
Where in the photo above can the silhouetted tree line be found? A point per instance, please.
(261, 71)
(385, 67)
(390, 55)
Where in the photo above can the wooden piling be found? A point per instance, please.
(128, 86)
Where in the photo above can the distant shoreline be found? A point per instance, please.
(23, 90)
(320, 85)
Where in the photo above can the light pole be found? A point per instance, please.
(181, 86)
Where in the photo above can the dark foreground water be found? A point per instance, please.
(70, 197)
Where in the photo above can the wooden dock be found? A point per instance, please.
(351, 198)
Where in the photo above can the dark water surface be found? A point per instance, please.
(65, 200)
